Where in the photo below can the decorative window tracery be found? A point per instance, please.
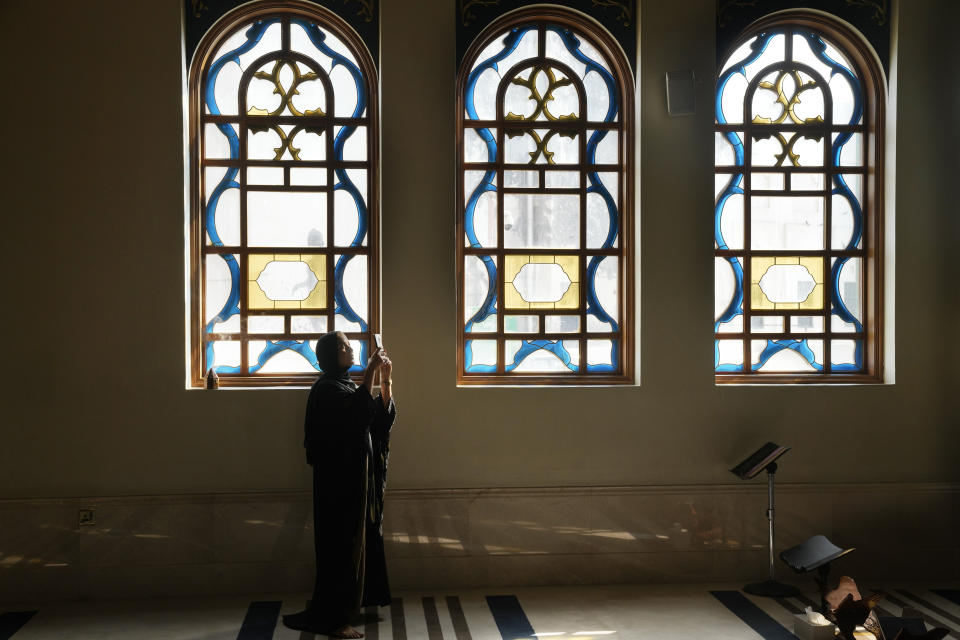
(797, 219)
(283, 126)
(545, 202)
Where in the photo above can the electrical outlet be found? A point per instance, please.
(86, 517)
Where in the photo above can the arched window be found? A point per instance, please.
(545, 199)
(283, 131)
(798, 213)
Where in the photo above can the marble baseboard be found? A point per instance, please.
(151, 546)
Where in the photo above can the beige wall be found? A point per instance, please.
(93, 310)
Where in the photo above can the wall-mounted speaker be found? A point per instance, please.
(681, 93)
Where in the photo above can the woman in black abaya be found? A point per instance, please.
(347, 436)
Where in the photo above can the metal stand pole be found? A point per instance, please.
(770, 587)
(772, 469)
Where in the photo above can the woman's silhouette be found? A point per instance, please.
(347, 438)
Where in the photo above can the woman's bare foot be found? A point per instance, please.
(346, 631)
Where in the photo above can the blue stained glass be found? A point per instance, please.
(808, 70)
(613, 365)
(733, 187)
(251, 45)
(317, 37)
(774, 347)
(488, 307)
(728, 355)
(572, 44)
(528, 347)
(841, 188)
(575, 60)
(272, 348)
(847, 355)
(818, 46)
(485, 366)
(486, 313)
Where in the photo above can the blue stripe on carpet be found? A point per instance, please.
(12, 621)
(260, 621)
(755, 617)
(510, 618)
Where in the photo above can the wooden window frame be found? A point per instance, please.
(286, 9)
(620, 69)
(868, 70)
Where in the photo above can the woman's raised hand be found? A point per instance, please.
(376, 360)
(386, 368)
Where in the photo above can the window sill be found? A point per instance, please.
(763, 380)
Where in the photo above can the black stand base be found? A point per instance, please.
(772, 589)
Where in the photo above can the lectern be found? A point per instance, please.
(764, 459)
(815, 554)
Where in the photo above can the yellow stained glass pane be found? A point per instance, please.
(570, 266)
(571, 299)
(815, 266)
(256, 298)
(759, 266)
(256, 263)
(317, 264)
(317, 298)
(512, 297)
(512, 265)
(815, 299)
(758, 299)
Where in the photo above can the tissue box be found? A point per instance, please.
(806, 631)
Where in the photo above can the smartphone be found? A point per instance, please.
(377, 341)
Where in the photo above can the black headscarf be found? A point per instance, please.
(328, 356)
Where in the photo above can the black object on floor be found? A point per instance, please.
(755, 617)
(953, 595)
(306, 635)
(892, 626)
(12, 621)
(260, 621)
(930, 620)
(940, 611)
(510, 618)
